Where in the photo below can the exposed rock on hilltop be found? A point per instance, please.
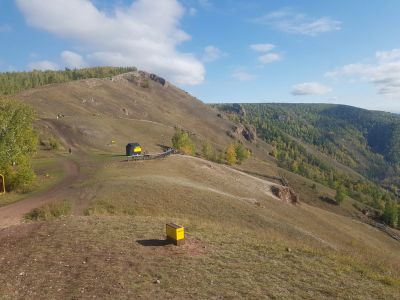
(141, 78)
(159, 79)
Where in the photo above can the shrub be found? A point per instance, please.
(182, 142)
(54, 145)
(49, 211)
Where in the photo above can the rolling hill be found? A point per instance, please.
(102, 219)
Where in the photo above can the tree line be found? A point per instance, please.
(15, 82)
(234, 153)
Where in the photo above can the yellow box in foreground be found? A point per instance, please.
(175, 232)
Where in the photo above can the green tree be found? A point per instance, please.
(241, 153)
(230, 155)
(339, 195)
(182, 142)
(390, 213)
(18, 143)
(208, 151)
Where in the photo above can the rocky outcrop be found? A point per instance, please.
(140, 78)
(238, 109)
(249, 132)
(286, 194)
(158, 79)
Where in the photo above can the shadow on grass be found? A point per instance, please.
(112, 155)
(164, 147)
(328, 200)
(154, 243)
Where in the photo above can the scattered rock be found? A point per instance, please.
(286, 194)
(157, 281)
(125, 111)
(288, 249)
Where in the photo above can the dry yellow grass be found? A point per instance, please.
(86, 257)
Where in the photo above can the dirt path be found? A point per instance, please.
(13, 213)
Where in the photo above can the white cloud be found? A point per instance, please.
(290, 21)
(242, 75)
(73, 60)
(386, 56)
(43, 65)
(262, 47)
(384, 73)
(310, 88)
(269, 58)
(145, 34)
(5, 28)
(212, 53)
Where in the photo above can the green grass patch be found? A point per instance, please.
(50, 211)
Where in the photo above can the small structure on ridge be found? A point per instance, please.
(133, 149)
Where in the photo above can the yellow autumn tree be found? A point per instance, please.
(230, 155)
(182, 142)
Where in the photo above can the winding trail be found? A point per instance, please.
(12, 214)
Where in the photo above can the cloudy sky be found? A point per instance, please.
(220, 50)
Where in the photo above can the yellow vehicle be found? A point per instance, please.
(133, 149)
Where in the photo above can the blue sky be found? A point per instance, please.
(220, 51)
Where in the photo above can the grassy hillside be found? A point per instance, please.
(101, 229)
(242, 242)
(131, 107)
